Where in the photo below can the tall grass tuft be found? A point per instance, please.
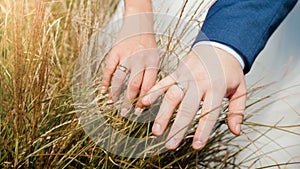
(40, 42)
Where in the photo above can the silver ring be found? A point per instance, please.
(180, 86)
(122, 68)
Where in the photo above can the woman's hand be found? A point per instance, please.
(208, 74)
(136, 53)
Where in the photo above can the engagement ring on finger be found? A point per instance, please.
(122, 68)
(180, 86)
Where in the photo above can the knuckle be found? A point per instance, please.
(116, 82)
(186, 110)
(145, 88)
(134, 85)
(105, 83)
(105, 78)
(116, 77)
(208, 117)
(179, 127)
(171, 96)
(186, 118)
(109, 67)
(161, 86)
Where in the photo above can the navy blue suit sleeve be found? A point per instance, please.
(244, 25)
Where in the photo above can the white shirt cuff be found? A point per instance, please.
(225, 48)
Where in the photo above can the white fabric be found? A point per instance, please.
(225, 48)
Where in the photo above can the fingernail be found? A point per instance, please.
(238, 129)
(109, 101)
(145, 100)
(171, 143)
(198, 144)
(156, 128)
(103, 90)
(137, 111)
(124, 112)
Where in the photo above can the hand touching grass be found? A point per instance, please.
(134, 53)
(208, 74)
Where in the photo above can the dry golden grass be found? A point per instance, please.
(39, 45)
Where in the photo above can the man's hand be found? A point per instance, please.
(208, 74)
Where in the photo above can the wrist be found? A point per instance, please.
(133, 7)
(139, 24)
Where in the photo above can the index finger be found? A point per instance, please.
(157, 90)
(110, 67)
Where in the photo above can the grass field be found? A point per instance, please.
(40, 42)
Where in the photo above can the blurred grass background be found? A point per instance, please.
(40, 42)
